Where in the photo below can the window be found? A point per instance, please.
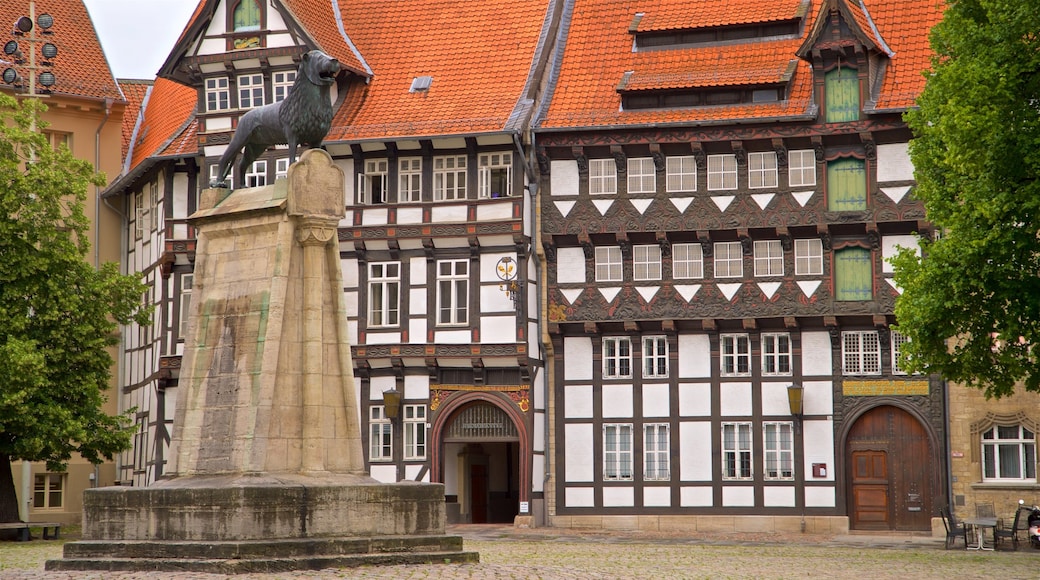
(898, 340)
(257, 174)
(769, 258)
(58, 139)
(214, 173)
(681, 173)
(646, 262)
(778, 441)
(602, 176)
(808, 257)
(282, 83)
(853, 274)
(762, 169)
(841, 95)
(729, 260)
(608, 264)
(860, 352)
(217, 94)
(617, 357)
(452, 292)
(655, 356)
(722, 172)
(415, 431)
(801, 169)
(617, 452)
(495, 171)
(655, 452)
(250, 91)
(384, 286)
(846, 185)
(449, 177)
(381, 435)
(736, 451)
(642, 177)
(187, 281)
(735, 356)
(776, 353)
(247, 16)
(48, 491)
(281, 168)
(687, 261)
(372, 183)
(1008, 453)
(409, 182)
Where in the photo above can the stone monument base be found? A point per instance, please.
(262, 523)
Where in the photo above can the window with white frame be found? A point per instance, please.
(808, 257)
(656, 452)
(602, 176)
(281, 168)
(778, 444)
(495, 172)
(217, 94)
(860, 352)
(381, 435)
(680, 173)
(655, 357)
(1009, 454)
(372, 183)
(898, 339)
(452, 292)
(187, 282)
(384, 288)
(687, 261)
(735, 355)
(736, 451)
(776, 353)
(729, 260)
(449, 177)
(415, 431)
(214, 173)
(257, 174)
(801, 168)
(282, 82)
(762, 169)
(642, 176)
(608, 264)
(48, 491)
(769, 258)
(617, 452)
(646, 262)
(617, 357)
(722, 172)
(250, 91)
(409, 179)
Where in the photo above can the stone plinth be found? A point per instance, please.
(266, 470)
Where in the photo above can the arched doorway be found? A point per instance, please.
(890, 473)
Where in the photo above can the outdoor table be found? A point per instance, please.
(980, 525)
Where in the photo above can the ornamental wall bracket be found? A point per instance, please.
(620, 158)
(583, 161)
(739, 152)
(781, 152)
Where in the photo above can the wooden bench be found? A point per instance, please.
(23, 529)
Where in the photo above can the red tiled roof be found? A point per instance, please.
(320, 20)
(478, 53)
(904, 24)
(696, 68)
(81, 68)
(186, 143)
(168, 109)
(663, 16)
(135, 92)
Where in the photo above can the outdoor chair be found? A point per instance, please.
(1002, 534)
(985, 510)
(954, 530)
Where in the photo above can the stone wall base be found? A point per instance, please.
(707, 523)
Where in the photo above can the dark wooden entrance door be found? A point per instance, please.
(478, 480)
(890, 473)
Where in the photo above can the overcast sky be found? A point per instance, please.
(137, 35)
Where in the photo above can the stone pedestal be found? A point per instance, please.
(266, 469)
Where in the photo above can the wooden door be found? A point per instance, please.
(478, 488)
(870, 490)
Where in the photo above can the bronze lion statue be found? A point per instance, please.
(302, 118)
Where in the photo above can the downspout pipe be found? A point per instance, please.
(97, 188)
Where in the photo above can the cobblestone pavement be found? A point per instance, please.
(551, 553)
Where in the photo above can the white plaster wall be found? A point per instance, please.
(694, 400)
(578, 452)
(538, 392)
(416, 387)
(383, 338)
(452, 336)
(412, 471)
(778, 496)
(819, 497)
(893, 163)
(694, 356)
(618, 497)
(655, 401)
(538, 473)
(502, 210)
(564, 177)
(442, 214)
(818, 398)
(774, 399)
(579, 497)
(349, 267)
(617, 401)
(451, 467)
(695, 459)
(570, 266)
(375, 216)
(657, 497)
(377, 385)
(539, 432)
(818, 437)
(417, 301)
(577, 401)
(218, 123)
(497, 329)
(816, 353)
(409, 215)
(577, 358)
(735, 399)
(743, 496)
(494, 299)
(417, 273)
(699, 496)
(384, 473)
(417, 331)
(889, 248)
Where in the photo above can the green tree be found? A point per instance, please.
(971, 302)
(58, 314)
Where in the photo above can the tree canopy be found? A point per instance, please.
(58, 314)
(971, 302)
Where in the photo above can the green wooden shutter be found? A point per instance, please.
(247, 15)
(853, 274)
(841, 95)
(846, 185)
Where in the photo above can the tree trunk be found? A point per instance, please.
(8, 498)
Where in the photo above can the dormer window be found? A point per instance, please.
(841, 95)
(247, 16)
(245, 21)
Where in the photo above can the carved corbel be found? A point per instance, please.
(781, 152)
(664, 244)
(583, 161)
(874, 238)
(431, 368)
(658, 157)
(543, 161)
(428, 248)
(739, 153)
(698, 155)
(620, 159)
(474, 247)
(398, 366)
(395, 248)
(869, 146)
(550, 251)
(478, 370)
(817, 145)
(747, 246)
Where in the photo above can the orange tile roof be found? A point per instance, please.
(663, 16)
(699, 67)
(904, 24)
(168, 110)
(479, 54)
(320, 20)
(134, 91)
(80, 67)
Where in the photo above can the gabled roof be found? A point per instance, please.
(905, 26)
(135, 92)
(80, 67)
(859, 21)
